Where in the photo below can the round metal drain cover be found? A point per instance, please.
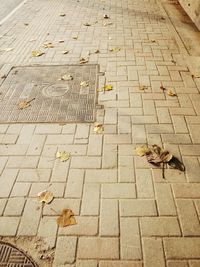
(11, 256)
(55, 90)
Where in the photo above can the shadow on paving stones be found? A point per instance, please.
(34, 248)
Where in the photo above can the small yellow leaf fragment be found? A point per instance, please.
(48, 45)
(107, 24)
(66, 218)
(63, 155)
(83, 60)
(84, 84)
(98, 128)
(143, 87)
(37, 53)
(67, 77)
(25, 104)
(171, 93)
(107, 87)
(142, 150)
(65, 52)
(45, 196)
(7, 49)
(115, 49)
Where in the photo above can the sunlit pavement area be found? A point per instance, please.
(127, 214)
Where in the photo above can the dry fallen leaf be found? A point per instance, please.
(157, 155)
(37, 53)
(84, 84)
(83, 60)
(48, 45)
(67, 77)
(98, 128)
(107, 87)
(66, 218)
(65, 52)
(63, 155)
(87, 24)
(25, 104)
(142, 150)
(107, 24)
(115, 49)
(163, 88)
(176, 164)
(143, 87)
(171, 93)
(45, 196)
(6, 49)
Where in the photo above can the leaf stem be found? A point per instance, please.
(163, 170)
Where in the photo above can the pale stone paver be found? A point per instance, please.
(127, 214)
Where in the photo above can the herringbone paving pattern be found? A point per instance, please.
(128, 216)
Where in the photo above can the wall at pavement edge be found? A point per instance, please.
(192, 8)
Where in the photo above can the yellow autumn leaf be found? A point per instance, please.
(107, 24)
(115, 49)
(65, 52)
(67, 77)
(142, 150)
(48, 45)
(83, 60)
(25, 104)
(45, 196)
(171, 93)
(63, 155)
(37, 53)
(84, 84)
(107, 87)
(7, 49)
(66, 218)
(143, 87)
(98, 128)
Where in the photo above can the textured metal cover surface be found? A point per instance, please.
(11, 256)
(55, 100)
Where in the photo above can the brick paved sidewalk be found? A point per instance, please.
(127, 215)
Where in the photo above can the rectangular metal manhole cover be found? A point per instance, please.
(54, 99)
